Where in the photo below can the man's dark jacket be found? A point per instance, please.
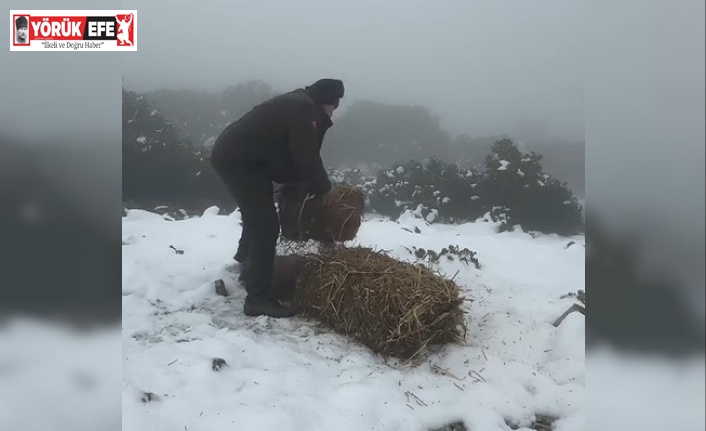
(283, 137)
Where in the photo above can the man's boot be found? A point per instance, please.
(269, 307)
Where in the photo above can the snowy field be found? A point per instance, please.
(292, 374)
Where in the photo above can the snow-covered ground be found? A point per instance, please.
(292, 374)
(638, 392)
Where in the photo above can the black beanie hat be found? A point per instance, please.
(21, 22)
(326, 91)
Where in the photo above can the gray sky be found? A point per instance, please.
(484, 67)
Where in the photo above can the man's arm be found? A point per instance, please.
(304, 148)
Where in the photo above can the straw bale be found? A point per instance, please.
(305, 218)
(393, 307)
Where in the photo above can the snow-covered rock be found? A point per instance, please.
(211, 211)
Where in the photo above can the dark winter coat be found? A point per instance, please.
(283, 137)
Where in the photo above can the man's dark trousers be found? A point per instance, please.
(252, 190)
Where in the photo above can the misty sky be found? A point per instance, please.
(484, 67)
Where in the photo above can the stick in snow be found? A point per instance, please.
(575, 307)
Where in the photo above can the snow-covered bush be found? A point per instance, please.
(352, 176)
(514, 190)
(160, 165)
(529, 197)
(435, 190)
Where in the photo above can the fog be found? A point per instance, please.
(645, 129)
(485, 68)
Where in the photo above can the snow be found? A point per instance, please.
(475, 197)
(58, 378)
(211, 211)
(400, 170)
(503, 165)
(153, 113)
(446, 200)
(209, 142)
(140, 215)
(431, 217)
(292, 374)
(520, 173)
(628, 384)
(141, 139)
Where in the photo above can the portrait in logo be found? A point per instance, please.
(21, 30)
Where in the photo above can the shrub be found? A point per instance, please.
(434, 190)
(529, 197)
(159, 164)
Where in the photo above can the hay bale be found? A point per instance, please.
(304, 219)
(285, 273)
(395, 308)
